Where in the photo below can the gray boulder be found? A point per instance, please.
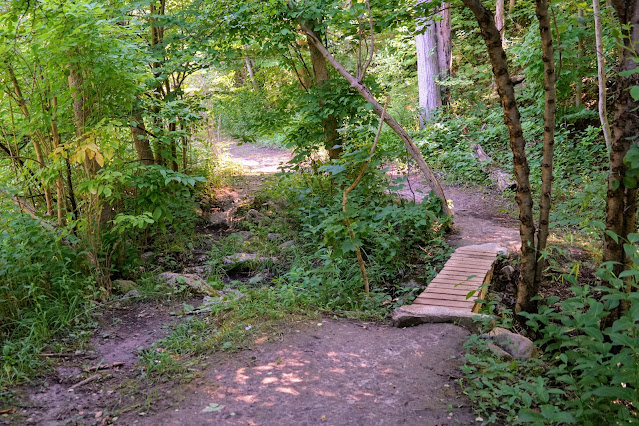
(516, 345)
(194, 282)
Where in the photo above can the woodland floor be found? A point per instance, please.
(312, 371)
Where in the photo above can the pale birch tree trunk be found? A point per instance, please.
(433, 61)
(601, 76)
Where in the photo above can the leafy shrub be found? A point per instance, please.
(586, 375)
(44, 290)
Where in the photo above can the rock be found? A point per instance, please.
(238, 258)
(273, 236)
(258, 279)
(242, 236)
(256, 217)
(218, 219)
(410, 284)
(518, 346)
(201, 270)
(508, 272)
(494, 247)
(133, 294)
(287, 244)
(147, 257)
(406, 316)
(123, 286)
(499, 352)
(224, 296)
(194, 282)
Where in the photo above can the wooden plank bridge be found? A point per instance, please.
(467, 270)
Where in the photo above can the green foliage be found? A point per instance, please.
(587, 374)
(44, 292)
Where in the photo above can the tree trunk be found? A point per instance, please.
(368, 96)
(580, 55)
(35, 136)
(141, 140)
(427, 72)
(444, 50)
(550, 88)
(601, 75)
(620, 200)
(249, 69)
(500, 19)
(512, 119)
(329, 124)
(76, 88)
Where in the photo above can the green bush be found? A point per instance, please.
(44, 290)
(586, 375)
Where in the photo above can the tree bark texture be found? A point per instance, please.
(427, 72)
(76, 88)
(550, 89)
(601, 75)
(141, 140)
(329, 124)
(434, 56)
(620, 200)
(512, 119)
(397, 128)
(500, 19)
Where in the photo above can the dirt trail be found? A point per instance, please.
(325, 371)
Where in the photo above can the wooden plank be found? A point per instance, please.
(478, 263)
(462, 275)
(444, 303)
(454, 282)
(464, 268)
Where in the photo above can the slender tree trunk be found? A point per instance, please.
(500, 19)
(620, 200)
(329, 124)
(76, 88)
(580, 55)
(173, 147)
(511, 6)
(56, 139)
(397, 128)
(550, 88)
(427, 71)
(444, 49)
(141, 140)
(35, 136)
(249, 69)
(512, 118)
(601, 75)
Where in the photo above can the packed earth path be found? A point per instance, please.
(323, 370)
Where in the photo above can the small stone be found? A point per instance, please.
(256, 217)
(287, 244)
(218, 219)
(124, 286)
(98, 414)
(133, 294)
(271, 236)
(147, 257)
(238, 258)
(508, 272)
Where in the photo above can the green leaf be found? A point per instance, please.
(634, 92)
(157, 213)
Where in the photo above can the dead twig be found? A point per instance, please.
(61, 355)
(84, 382)
(105, 366)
